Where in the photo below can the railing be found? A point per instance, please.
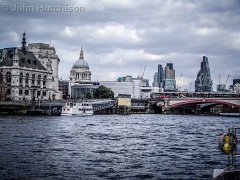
(232, 157)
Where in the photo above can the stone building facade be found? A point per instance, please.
(46, 54)
(25, 77)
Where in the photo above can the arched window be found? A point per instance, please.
(44, 80)
(27, 78)
(21, 78)
(39, 79)
(8, 77)
(33, 79)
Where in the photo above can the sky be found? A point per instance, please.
(124, 37)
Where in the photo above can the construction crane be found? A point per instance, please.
(143, 72)
(140, 72)
(190, 87)
(227, 80)
(179, 87)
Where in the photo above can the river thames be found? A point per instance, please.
(112, 146)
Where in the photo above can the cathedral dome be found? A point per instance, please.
(81, 62)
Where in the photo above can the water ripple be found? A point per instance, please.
(111, 147)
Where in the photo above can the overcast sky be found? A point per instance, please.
(120, 38)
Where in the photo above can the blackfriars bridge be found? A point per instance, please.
(196, 104)
(196, 101)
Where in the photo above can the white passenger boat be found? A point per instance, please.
(77, 109)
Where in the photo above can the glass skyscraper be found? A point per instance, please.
(165, 78)
(160, 75)
(203, 81)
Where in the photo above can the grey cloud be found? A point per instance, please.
(181, 31)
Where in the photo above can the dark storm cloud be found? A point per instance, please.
(120, 38)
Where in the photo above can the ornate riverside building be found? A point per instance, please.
(46, 54)
(80, 85)
(3, 88)
(25, 77)
(203, 82)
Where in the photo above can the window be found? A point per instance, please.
(33, 79)
(44, 93)
(21, 78)
(27, 78)
(44, 80)
(39, 80)
(20, 92)
(8, 91)
(9, 78)
(38, 93)
(26, 92)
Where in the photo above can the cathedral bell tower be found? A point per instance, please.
(24, 43)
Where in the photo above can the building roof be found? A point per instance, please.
(81, 62)
(27, 60)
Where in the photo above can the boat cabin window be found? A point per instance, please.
(67, 104)
(74, 104)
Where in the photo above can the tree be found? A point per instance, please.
(103, 92)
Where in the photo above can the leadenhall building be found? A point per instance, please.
(24, 74)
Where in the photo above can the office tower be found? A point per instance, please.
(160, 75)
(155, 80)
(203, 81)
(169, 82)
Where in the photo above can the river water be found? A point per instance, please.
(112, 147)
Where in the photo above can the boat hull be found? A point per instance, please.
(83, 114)
(230, 114)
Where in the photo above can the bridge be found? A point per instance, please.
(103, 104)
(168, 103)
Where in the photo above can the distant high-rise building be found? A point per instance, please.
(160, 75)
(169, 82)
(165, 78)
(203, 82)
(170, 65)
(169, 71)
(155, 80)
